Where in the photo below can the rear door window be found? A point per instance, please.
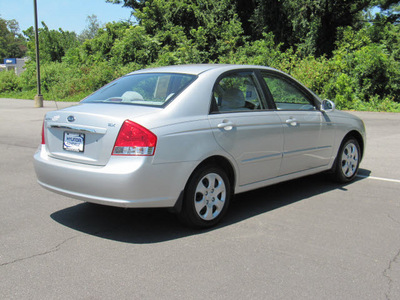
(237, 92)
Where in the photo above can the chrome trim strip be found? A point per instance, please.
(80, 128)
(284, 153)
(308, 149)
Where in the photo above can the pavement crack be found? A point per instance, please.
(52, 250)
(386, 274)
(393, 219)
(8, 145)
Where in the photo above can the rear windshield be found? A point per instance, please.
(154, 89)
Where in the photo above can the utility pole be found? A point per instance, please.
(38, 97)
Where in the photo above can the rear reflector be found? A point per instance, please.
(134, 139)
(43, 138)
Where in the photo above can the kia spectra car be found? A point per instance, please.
(190, 137)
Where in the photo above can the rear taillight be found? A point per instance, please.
(134, 139)
(43, 138)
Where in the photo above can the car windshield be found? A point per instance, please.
(154, 89)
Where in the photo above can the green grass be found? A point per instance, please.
(46, 96)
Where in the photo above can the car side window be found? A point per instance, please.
(236, 92)
(286, 95)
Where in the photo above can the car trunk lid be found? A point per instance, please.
(86, 133)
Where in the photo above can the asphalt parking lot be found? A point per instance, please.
(305, 239)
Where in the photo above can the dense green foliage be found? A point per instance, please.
(336, 48)
(12, 43)
(53, 43)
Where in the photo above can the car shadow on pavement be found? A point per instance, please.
(146, 226)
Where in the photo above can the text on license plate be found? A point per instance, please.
(74, 141)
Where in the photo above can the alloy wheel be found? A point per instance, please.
(349, 160)
(210, 196)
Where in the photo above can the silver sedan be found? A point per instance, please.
(190, 137)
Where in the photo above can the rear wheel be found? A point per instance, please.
(347, 161)
(206, 198)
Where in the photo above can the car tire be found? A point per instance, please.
(347, 161)
(206, 198)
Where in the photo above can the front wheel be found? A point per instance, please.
(347, 161)
(207, 197)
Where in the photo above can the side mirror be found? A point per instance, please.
(327, 105)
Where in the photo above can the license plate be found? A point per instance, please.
(74, 142)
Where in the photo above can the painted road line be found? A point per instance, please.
(379, 178)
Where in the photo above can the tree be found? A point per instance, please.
(333, 15)
(12, 43)
(92, 27)
(53, 43)
(99, 48)
(311, 25)
(263, 16)
(209, 27)
(134, 4)
(390, 9)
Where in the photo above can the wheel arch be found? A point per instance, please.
(216, 160)
(356, 135)
(221, 162)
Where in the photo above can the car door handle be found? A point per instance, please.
(226, 125)
(291, 121)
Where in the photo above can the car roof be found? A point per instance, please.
(196, 69)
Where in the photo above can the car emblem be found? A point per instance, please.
(71, 119)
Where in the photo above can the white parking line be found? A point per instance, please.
(380, 178)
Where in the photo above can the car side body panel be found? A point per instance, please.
(303, 147)
(254, 140)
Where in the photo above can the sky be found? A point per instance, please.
(70, 15)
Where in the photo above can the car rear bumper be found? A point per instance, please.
(122, 182)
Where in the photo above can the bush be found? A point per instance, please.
(314, 73)
(9, 81)
(341, 90)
